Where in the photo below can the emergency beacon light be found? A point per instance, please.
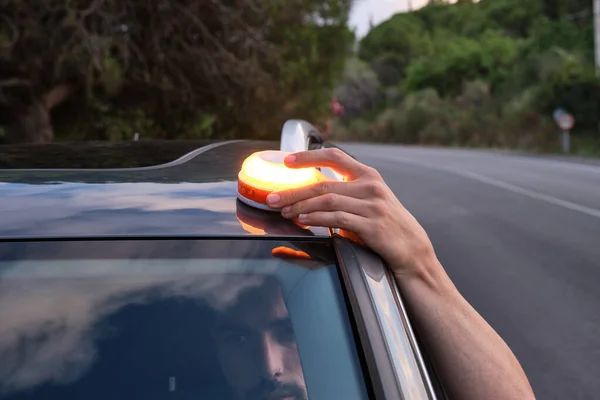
(265, 172)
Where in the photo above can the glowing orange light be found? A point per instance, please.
(265, 172)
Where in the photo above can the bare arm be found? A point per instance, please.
(473, 361)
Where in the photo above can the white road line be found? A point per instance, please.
(557, 164)
(478, 154)
(507, 186)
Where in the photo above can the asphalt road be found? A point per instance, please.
(520, 237)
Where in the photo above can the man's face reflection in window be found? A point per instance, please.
(257, 349)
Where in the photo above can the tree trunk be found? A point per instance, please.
(32, 125)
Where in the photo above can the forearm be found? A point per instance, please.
(473, 361)
(471, 358)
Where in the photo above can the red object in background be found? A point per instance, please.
(338, 111)
(336, 107)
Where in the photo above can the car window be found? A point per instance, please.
(189, 319)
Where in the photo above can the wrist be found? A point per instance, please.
(425, 270)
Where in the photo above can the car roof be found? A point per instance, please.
(195, 195)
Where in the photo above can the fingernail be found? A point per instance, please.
(273, 198)
(290, 159)
(286, 210)
(302, 217)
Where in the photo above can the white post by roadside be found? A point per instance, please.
(565, 122)
(566, 141)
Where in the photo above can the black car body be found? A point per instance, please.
(100, 271)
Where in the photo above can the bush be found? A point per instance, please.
(387, 125)
(470, 119)
(417, 112)
(578, 92)
(389, 68)
(586, 145)
(359, 90)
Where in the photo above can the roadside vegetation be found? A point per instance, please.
(181, 69)
(484, 74)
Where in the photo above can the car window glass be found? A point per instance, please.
(184, 319)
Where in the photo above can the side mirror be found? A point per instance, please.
(298, 135)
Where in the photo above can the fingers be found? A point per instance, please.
(291, 196)
(327, 202)
(332, 158)
(335, 219)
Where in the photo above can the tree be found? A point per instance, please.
(555, 9)
(243, 63)
(389, 68)
(463, 59)
(403, 34)
(358, 92)
(514, 17)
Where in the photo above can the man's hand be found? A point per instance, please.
(363, 205)
(473, 361)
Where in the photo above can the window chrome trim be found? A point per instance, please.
(388, 341)
(369, 337)
(397, 335)
(411, 334)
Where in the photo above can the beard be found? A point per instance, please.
(266, 389)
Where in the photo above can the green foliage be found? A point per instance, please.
(205, 127)
(463, 18)
(486, 73)
(123, 125)
(555, 9)
(403, 34)
(389, 68)
(468, 18)
(359, 90)
(111, 75)
(467, 120)
(514, 17)
(575, 89)
(313, 56)
(546, 34)
(462, 59)
(165, 66)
